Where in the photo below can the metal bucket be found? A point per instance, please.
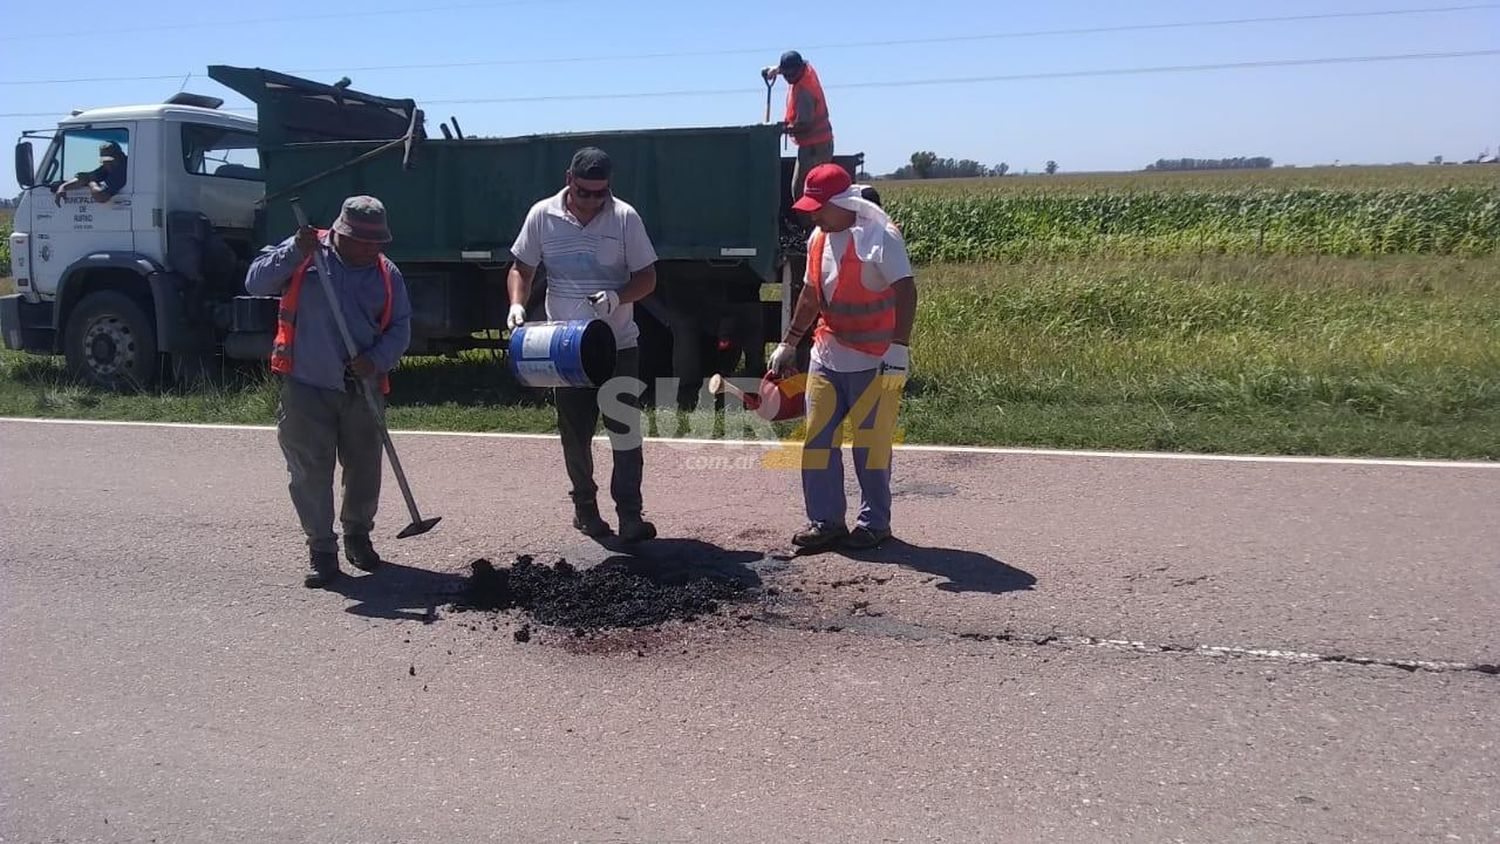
(578, 353)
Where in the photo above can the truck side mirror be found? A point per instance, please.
(25, 169)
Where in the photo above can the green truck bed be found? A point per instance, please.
(706, 194)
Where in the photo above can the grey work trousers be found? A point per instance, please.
(317, 428)
(578, 411)
(808, 157)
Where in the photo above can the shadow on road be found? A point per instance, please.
(399, 592)
(966, 571)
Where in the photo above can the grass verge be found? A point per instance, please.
(1386, 357)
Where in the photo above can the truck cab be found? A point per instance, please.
(123, 280)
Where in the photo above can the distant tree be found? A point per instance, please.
(969, 169)
(1001, 169)
(922, 164)
(927, 165)
(1051, 167)
(1437, 159)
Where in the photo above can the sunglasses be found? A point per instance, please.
(584, 193)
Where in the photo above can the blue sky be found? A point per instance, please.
(1400, 111)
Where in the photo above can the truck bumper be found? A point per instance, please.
(26, 326)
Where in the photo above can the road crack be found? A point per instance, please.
(1233, 651)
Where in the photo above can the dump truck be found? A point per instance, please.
(148, 284)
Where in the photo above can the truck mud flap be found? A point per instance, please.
(175, 331)
(27, 326)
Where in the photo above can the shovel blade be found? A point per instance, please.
(419, 527)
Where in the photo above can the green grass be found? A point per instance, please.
(1393, 356)
(1285, 355)
(471, 393)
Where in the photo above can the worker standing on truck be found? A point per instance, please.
(322, 418)
(806, 115)
(599, 262)
(860, 291)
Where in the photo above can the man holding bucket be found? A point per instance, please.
(859, 289)
(599, 262)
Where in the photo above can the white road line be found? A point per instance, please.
(935, 449)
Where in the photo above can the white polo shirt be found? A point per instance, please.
(584, 259)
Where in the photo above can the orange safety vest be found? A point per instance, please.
(286, 315)
(855, 317)
(820, 130)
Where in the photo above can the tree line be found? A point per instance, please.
(1258, 162)
(927, 164)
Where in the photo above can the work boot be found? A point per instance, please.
(361, 553)
(633, 528)
(323, 569)
(863, 538)
(818, 536)
(587, 520)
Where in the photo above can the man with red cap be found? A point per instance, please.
(860, 293)
(806, 114)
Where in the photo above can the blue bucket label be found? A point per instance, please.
(537, 342)
(540, 373)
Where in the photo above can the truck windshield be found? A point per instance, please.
(79, 151)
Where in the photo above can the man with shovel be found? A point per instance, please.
(806, 114)
(322, 417)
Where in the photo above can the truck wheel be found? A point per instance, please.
(109, 342)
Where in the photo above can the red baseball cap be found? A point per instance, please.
(823, 183)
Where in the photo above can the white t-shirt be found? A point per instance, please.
(893, 266)
(583, 260)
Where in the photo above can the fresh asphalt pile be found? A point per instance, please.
(614, 594)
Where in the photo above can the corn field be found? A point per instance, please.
(1375, 177)
(955, 226)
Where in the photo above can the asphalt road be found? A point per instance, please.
(1063, 648)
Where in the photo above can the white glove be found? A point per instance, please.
(605, 302)
(517, 317)
(897, 361)
(783, 358)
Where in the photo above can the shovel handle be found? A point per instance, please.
(366, 385)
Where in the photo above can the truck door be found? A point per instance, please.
(81, 225)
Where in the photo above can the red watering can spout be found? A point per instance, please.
(777, 399)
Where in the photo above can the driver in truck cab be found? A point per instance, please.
(104, 181)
